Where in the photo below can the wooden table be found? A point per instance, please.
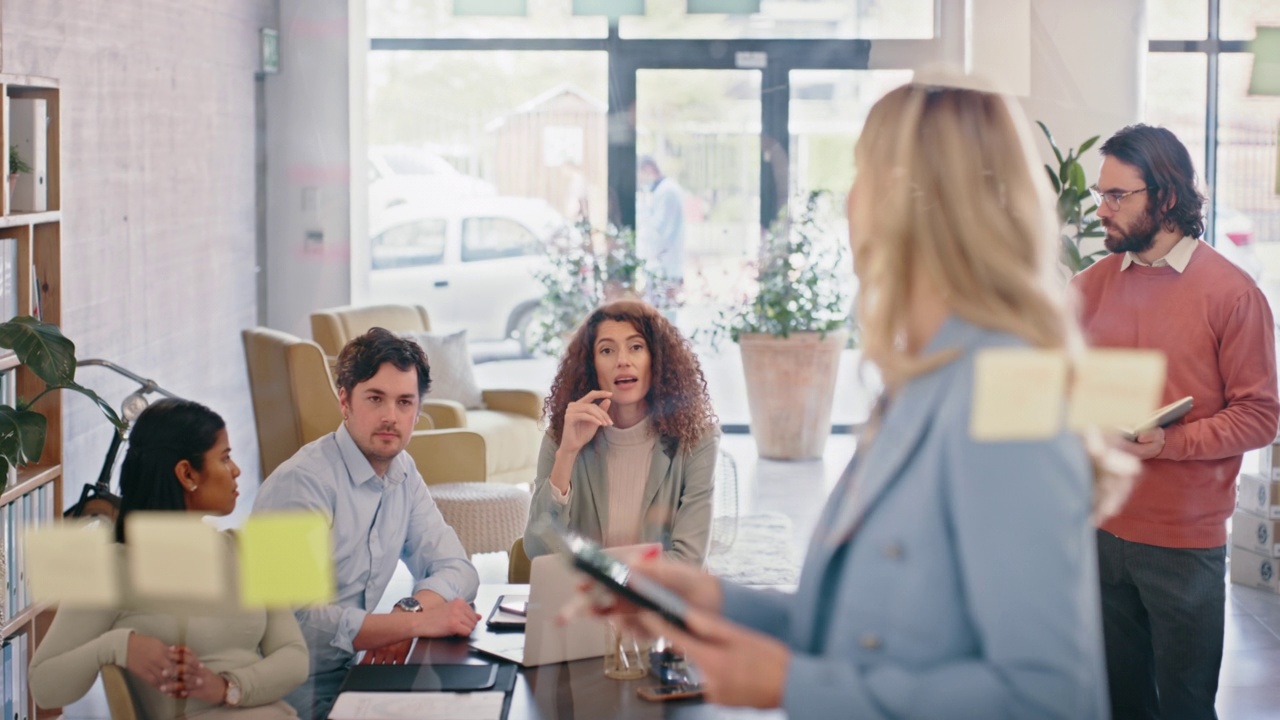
(572, 690)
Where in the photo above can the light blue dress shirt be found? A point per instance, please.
(375, 522)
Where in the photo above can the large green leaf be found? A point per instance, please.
(1084, 146)
(102, 404)
(1048, 135)
(41, 347)
(22, 434)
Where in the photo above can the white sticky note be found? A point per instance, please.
(175, 556)
(73, 564)
(1115, 388)
(1018, 394)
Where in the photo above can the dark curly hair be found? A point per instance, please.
(362, 358)
(1167, 170)
(679, 406)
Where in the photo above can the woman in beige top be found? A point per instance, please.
(238, 664)
(631, 442)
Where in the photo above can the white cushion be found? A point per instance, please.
(452, 374)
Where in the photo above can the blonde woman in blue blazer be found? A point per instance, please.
(949, 577)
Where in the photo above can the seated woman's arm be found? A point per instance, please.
(284, 664)
(78, 644)
(546, 502)
(691, 527)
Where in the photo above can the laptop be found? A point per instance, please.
(552, 583)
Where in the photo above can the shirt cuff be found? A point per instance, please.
(348, 627)
(559, 497)
(439, 586)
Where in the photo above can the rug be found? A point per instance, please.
(762, 552)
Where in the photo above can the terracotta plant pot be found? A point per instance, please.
(790, 387)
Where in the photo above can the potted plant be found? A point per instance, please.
(16, 165)
(586, 268)
(1079, 223)
(790, 329)
(44, 350)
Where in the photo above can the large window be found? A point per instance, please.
(1198, 73)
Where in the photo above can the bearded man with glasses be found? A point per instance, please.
(1162, 558)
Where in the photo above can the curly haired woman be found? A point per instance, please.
(631, 441)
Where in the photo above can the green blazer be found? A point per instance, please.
(678, 492)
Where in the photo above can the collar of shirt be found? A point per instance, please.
(358, 465)
(1177, 257)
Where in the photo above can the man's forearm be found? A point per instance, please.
(381, 629)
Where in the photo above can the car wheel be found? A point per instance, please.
(524, 330)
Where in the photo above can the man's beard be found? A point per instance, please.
(1136, 239)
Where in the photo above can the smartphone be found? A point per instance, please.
(658, 693)
(617, 577)
(515, 607)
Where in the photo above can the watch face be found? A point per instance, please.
(233, 691)
(409, 604)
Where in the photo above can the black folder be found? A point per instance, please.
(420, 678)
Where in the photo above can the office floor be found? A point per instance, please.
(1250, 668)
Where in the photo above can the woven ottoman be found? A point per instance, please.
(488, 517)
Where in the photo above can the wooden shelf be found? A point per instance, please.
(26, 616)
(30, 478)
(34, 218)
(33, 81)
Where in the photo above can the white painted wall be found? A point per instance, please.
(316, 153)
(158, 197)
(1088, 69)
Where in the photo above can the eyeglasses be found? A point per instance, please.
(1112, 197)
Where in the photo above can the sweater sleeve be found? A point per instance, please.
(78, 644)
(284, 664)
(1247, 361)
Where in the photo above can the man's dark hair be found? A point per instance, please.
(1167, 170)
(361, 359)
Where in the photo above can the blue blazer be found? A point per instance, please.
(953, 579)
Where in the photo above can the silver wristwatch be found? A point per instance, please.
(409, 604)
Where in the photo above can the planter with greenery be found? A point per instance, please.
(47, 353)
(16, 165)
(586, 268)
(1076, 210)
(791, 329)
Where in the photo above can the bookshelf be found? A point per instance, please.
(30, 272)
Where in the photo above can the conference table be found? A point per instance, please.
(575, 690)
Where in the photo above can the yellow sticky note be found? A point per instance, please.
(1017, 394)
(73, 564)
(1115, 388)
(175, 556)
(286, 560)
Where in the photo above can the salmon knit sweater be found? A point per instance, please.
(1215, 327)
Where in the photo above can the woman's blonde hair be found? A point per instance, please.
(949, 194)
(952, 197)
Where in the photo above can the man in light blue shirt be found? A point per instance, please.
(380, 511)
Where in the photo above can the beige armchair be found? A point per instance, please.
(295, 401)
(509, 420)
